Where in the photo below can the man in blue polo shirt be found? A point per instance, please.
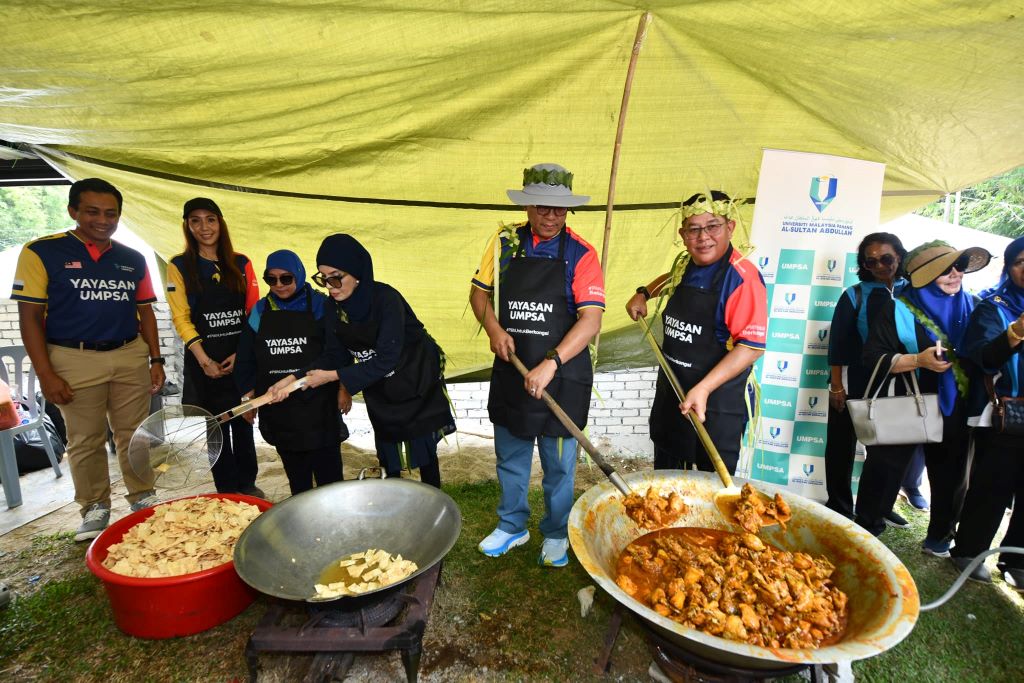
(82, 301)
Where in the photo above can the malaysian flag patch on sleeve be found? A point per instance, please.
(171, 287)
(18, 286)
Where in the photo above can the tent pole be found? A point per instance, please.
(638, 42)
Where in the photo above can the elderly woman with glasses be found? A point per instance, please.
(715, 319)
(285, 333)
(376, 345)
(922, 331)
(880, 267)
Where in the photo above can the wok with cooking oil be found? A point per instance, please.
(284, 554)
(883, 600)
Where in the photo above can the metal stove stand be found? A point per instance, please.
(334, 647)
(684, 666)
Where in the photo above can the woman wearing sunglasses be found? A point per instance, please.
(923, 331)
(880, 260)
(210, 289)
(377, 346)
(994, 342)
(285, 333)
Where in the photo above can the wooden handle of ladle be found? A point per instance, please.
(257, 402)
(702, 433)
(567, 422)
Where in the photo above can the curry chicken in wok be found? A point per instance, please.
(735, 586)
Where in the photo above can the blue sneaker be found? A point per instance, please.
(500, 542)
(554, 552)
(936, 548)
(916, 500)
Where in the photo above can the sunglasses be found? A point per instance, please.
(285, 280)
(329, 281)
(548, 210)
(960, 264)
(887, 260)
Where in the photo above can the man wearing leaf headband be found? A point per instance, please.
(548, 296)
(715, 320)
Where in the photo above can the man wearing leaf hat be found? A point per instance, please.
(715, 320)
(539, 293)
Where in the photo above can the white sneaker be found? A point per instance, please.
(500, 542)
(554, 552)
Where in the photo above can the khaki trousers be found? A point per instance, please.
(110, 387)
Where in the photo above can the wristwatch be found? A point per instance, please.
(553, 355)
(643, 290)
(157, 360)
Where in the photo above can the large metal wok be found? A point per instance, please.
(285, 550)
(883, 599)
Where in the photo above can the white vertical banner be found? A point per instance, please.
(811, 212)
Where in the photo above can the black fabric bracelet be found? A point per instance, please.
(646, 292)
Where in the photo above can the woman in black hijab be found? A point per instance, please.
(377, 346)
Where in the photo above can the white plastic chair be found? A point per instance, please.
(24, 378)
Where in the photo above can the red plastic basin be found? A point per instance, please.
(175, 605)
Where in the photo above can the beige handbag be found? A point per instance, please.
(896, 420)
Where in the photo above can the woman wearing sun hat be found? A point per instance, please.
(922, 331)
(994, 342)
(285, 332)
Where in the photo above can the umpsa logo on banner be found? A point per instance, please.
(782, 365)
(774, 432)
(822, 333)
(812, 401)
(807, 469)
(823, 191)
(763, 262)
(790, 297)
(831, 264)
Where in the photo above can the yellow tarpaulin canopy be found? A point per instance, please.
(404, 122)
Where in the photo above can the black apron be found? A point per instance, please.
(287, 342)
(534, 309)
(409, 402)
(692, 351)
(218, 317)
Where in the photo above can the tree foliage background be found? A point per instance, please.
(30, 212)
(995, 205)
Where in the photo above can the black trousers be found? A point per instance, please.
(997, 481)
(235, 469)
(304, 468)
(430, 473)
(947, 464)
(840, 453)
(726, 432)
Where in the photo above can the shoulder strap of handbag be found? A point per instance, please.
(910, 384)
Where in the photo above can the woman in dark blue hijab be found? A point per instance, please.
(284, 334)
(922, 331)
(993, 341)
(377, 346)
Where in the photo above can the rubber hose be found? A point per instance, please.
(978, 559)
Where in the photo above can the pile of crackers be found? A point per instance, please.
(369, 571)
(182, 537)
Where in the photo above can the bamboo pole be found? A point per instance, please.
(638, 43)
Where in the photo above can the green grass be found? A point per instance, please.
(519, 620)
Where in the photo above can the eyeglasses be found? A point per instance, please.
(960, 264)
(712, 230)
(548, 210)
(887, 260)
(285, 280)
(329, 281)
